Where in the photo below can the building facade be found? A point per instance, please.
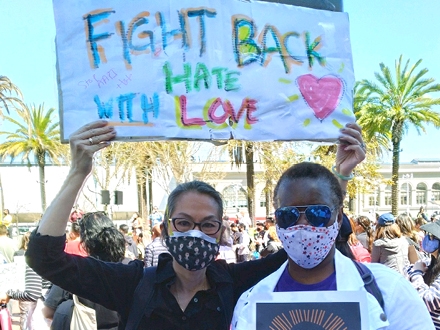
(419, 185)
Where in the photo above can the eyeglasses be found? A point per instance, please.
(316, 215)
(208, 227)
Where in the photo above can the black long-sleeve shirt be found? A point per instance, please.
(112, 285)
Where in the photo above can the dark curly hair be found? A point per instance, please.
(100, 238)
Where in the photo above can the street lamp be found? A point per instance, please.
(407, 176)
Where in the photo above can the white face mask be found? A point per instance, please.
(307, 245)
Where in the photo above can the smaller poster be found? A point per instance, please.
(335, 310)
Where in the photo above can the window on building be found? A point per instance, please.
(373, 199)
(234, 196)
(405, 194)
(436, 191)
(388, 195)
(421, 193)
(263, 199)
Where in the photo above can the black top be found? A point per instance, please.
(112, 285)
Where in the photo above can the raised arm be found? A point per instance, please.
(351, 152)
(83, 145)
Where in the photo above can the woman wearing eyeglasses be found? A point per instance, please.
(309, 202)
(188, 290)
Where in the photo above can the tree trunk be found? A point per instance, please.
(250, 173)
(268, 197)
(142, 192)
(41, 164)
(396, 137)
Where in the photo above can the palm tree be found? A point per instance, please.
(37, 135)
(7, 90)
(388, 108)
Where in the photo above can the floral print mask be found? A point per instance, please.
(307, 245)
(193, 249)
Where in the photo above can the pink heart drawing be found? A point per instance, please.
(321, 94)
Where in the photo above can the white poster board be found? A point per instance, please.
(204, 69)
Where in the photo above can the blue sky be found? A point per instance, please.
(381, 30)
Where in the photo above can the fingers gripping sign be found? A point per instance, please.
(351, 149)
(87, 140)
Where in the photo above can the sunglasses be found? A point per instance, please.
(316, 215)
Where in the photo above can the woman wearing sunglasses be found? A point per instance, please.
(190, 290)
(308, 200)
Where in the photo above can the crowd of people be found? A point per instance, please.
(203, 271)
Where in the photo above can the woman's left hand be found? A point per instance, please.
(86, 141)
(351, 149)
(420, 265)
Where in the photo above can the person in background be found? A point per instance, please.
(309, 204)
(418, 222)
(26, 307)
(226, 251)
(236, 237)
(245, 219)
(76, 214)
(103, 242)
(7, 218)
(73, 244)
(140, 246)
(390, 248)
(406, 226)
(360, 253)
(7, 245)
(155, 248)
(273, 244)
(424, 275)
(259, 236)
(270, 222)
(243, 251)
(364, 232)
(34, 289)
(155, 217)
(136, 225)
(422, 213)
(131, 250)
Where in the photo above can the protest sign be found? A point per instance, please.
(337, 310)
(204, 69)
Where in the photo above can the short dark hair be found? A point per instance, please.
(192, 186)
(308, 170)
(100, 237)
(124, 228)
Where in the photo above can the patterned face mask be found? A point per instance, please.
(307, 245)
(193, 249)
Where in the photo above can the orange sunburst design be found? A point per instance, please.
(315, 316)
